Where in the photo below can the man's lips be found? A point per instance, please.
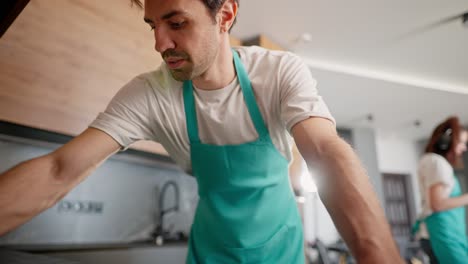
(174, 63)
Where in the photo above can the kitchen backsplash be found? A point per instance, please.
(118, 203)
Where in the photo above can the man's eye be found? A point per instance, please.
(177, 25)
(152, 27)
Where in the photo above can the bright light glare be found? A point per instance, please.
(300, 199)
(307, 183)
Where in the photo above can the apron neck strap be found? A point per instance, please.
(249, 97)
(190, 112)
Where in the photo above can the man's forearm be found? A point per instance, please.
(37, 184)
(28, 189)
(349, 198)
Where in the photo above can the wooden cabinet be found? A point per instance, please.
(235, 41)
(61, 62)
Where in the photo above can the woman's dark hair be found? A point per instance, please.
(445, 138)
(212, 5)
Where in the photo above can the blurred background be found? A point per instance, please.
(388, 70)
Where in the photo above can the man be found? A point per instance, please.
(224, 115)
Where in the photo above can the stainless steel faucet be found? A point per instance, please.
(160, 234)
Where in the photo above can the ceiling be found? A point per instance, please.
(374, 57)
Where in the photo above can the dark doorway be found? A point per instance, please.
(397, 204)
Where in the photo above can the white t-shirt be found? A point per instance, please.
(151, 106)
(433, 169)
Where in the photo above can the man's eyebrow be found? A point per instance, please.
(171, 14)
(165, 16)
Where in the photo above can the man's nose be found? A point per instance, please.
(162, 40)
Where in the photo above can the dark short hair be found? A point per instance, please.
(212, 5)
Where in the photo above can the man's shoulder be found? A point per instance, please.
(159, 79)
(152, 84)
(256, 54)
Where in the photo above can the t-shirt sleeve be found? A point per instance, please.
(299, 95)
(437, 170)
(126, 118)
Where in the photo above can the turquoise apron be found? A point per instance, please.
(447, 233)
(246, 212)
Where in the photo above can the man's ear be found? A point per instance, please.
(227, 14)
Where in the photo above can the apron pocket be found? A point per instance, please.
(268, 252)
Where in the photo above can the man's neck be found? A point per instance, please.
(221, 72)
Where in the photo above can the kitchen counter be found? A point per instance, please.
(47, 248)
(143, 252)
(17, 257)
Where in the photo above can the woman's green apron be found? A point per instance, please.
(447, 233)
(247, 211)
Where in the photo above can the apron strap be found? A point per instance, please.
(249, 97)
(190, 112)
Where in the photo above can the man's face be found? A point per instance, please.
(185, 35)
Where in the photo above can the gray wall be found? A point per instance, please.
(364, 143)
(123, 195)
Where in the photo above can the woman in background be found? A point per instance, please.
(443, 223)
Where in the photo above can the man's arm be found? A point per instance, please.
(440, 200)
(346, 192)
(35, 185)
